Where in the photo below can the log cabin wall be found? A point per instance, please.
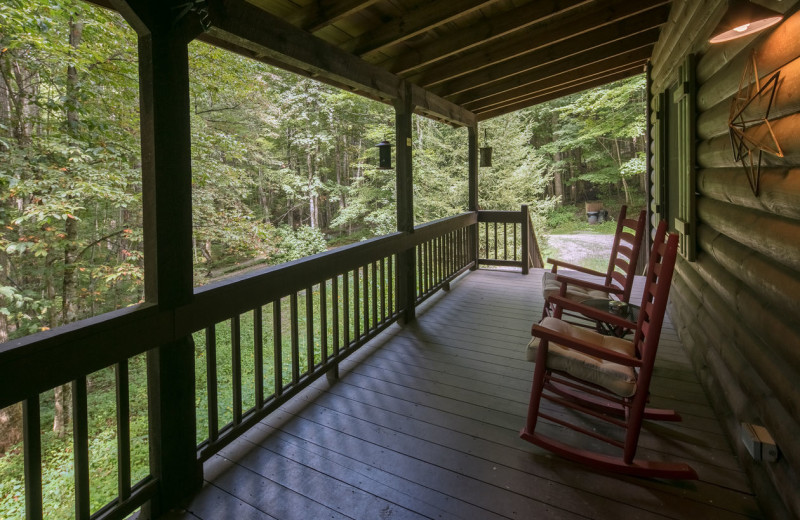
(737, 303)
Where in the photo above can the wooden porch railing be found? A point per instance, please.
(285, 327)
(507, 238)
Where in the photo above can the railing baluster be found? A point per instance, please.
(346, 308)
(123, 431)
(486, 237)
(356, 306)
(211, 380)
(392, 281)
(323, 319)
(80, 441)
(383, 289)
(295, 337)
(277, 347)
(515, 241)
(310, 329)
(420, 274)
(32, 446)
(374, 283)
(236, 368)
(335, 317)
(366, 298)
(258, 356)
(495, 240)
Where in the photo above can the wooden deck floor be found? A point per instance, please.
(424, 423)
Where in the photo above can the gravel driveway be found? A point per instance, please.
(579, 247)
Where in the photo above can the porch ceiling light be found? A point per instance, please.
(744, 18)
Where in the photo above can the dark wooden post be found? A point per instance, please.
(526, 233)
(406, 268)
(167, 203)
(472, 136)
(644, 251)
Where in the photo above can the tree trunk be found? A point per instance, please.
(312, 196)
(10, 427)
(69, 310)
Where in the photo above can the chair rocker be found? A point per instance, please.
(605, 377)
(617, 280)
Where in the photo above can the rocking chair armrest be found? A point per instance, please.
(585, 347)
(592, 313)
(559, 263)
(589, 285)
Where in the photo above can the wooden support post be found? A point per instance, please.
(526, 233)
(167, 205)
(406, 268)
(644, 251)
(472, 136)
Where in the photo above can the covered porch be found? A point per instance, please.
(424, 421)
(407, 382)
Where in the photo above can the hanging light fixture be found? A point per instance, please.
(384, 155)
(485, 152)
(744, 18)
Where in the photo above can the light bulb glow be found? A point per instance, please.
(742, 28)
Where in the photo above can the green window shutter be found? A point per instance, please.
(659, 207)
(685, 97)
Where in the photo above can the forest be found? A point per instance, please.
(283, 167)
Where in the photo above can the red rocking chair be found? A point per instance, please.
(603, 376)
(618, 280)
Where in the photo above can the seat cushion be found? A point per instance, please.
(616, 378)
(551, 287)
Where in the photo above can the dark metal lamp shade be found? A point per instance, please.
(486, 156)
(384, 155)
(743, 18)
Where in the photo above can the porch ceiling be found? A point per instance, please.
(487, 56)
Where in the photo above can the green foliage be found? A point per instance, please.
(300, 242)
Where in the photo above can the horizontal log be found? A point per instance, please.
(775, 237)
(764, 377)
(714, 121)
(42, 361)
(763, 322)
(773, 283)
(689, 34)
(774, 49)
(779, 189)
(738, 395)
(718, 153)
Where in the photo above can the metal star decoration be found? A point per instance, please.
(749, 144)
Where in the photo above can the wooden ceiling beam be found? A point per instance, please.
(242, 24)
(560, 82)
(589, 62)
(481, 33)
(557, 93)
(323, 13)
(417, 21)
(633, 35)
(602, 21)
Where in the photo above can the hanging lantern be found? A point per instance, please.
(485, 152)
(384, 155)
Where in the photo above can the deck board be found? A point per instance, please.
(424, 423)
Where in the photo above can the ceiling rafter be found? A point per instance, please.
(636, 33)
(483, 32)
(557, 93)
(413, 23)
(598, 19)
(560, 81)
(544, 68)
(323, 13)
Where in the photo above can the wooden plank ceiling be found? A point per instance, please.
(490, 57)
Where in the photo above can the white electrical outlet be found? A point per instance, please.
(759, 443)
